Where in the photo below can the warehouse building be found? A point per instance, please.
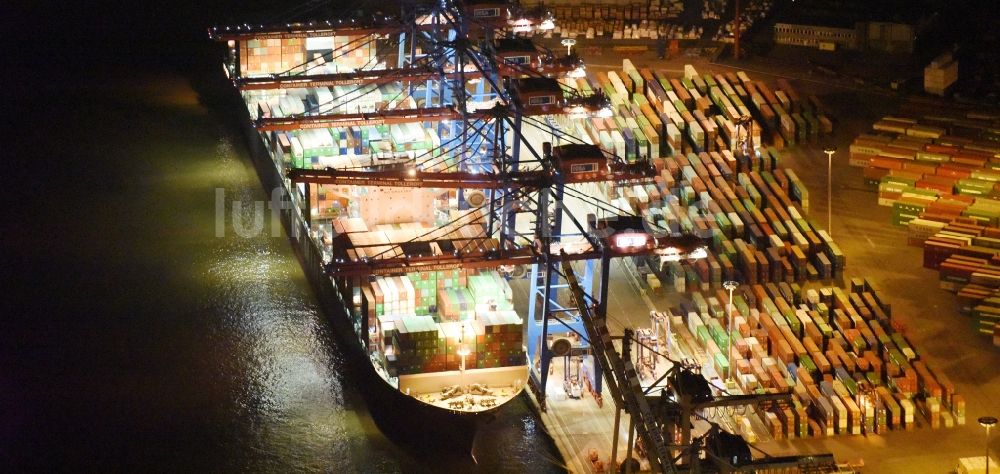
(871, 36)
(822, 37)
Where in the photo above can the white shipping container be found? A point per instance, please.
(908, 409)
(619, 143)
(673, 136)
(296, 147)
(640, 194)
(696, 133)
(617, 84)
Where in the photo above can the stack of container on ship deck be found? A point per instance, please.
(427, 317)
(823, 344)
(314, 55)
(346, 147)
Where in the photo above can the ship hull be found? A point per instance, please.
(400, 417)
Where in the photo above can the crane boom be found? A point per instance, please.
(375, 76)
(459, 179)
(388, 117)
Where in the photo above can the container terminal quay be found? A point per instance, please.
(634, 249)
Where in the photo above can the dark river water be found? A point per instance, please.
(133, 338)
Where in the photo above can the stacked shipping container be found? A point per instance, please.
(624, 21)
(658, 116)
(260, 57)
(751, 211)
(835, 350)
(422, 322)
(940, 172)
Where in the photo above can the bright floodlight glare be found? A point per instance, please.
(522, 25)
(605, 112)
(669, 254)
(730, 285)
(547, 24)
(411, 172)
(577, 73)
(631, 240)
(987, 421)
(463, 350)
(829, 150)
(698, 253)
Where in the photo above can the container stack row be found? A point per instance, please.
(750, 211)
(628, 20)
(388, 240)
(410, 294)
(834, 348)
(264, 56)
(418, 344)
(438, 294)
(623, 21)
(976, 280)
(328, 100)
(681, 114)
(921, 172)
(788, 117)
(619, 29)
(701, 112)
(417, 320)
(314, 55)
(360, 146)
(939, 170)
(713, 9)
(967, 257)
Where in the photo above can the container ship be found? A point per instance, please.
(424, 167)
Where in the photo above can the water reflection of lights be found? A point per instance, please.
(277, 350)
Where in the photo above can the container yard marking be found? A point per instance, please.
(870, 241)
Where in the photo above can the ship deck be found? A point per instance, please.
(470, 402)
(469, 391)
